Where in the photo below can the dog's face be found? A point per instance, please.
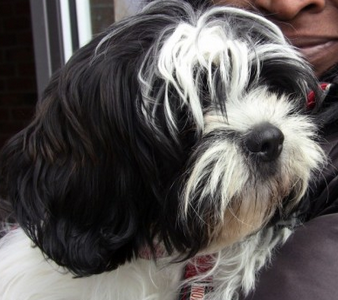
(173, 125)
(256, 161)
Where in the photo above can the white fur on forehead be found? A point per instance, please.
(221, 42)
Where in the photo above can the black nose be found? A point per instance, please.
(265, 141)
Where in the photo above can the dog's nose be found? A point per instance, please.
(265, 141)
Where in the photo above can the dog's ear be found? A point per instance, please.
(71, 175)
(84, 178)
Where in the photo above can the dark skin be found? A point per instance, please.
(310, 25)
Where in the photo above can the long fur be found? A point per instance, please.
(141, 140)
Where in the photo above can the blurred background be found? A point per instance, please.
(36, 38)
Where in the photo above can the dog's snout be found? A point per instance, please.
(265, 141)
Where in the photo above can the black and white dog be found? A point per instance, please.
(178, 139)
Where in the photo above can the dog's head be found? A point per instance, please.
(174, 125)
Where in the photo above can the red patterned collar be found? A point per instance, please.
(197, 289)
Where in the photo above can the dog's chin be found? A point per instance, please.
(237, 227)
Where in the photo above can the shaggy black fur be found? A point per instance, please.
(90, 180)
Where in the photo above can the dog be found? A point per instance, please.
(166, 160)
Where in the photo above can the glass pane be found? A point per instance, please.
(102, 14)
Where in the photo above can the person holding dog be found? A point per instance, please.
(306, 266)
